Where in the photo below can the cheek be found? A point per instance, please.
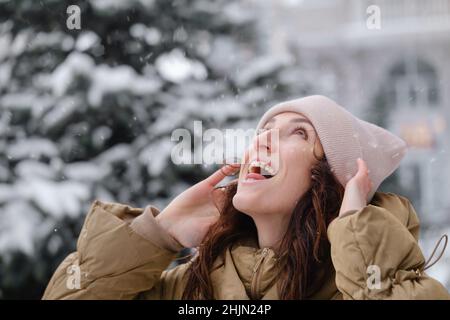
(297, 155)
(298, 161)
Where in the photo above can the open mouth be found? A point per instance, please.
(259, 170)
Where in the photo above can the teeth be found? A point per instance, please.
(265, 168)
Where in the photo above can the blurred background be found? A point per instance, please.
(87, 113)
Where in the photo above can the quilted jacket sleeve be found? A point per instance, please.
(376, 254)
(120, 253)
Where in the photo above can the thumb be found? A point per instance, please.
(362, 167)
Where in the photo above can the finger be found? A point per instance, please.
(362, 166)
(218, 195)
(219, 175)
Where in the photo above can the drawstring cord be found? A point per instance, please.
(426, 266)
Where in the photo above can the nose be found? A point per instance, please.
(264, 144)
(263, 141)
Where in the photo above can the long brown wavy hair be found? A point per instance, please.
(303, 252)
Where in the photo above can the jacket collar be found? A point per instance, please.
(249, 272)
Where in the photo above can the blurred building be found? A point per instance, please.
(394, 71)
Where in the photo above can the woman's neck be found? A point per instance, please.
(271, 229)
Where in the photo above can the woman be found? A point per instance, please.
(302, 221)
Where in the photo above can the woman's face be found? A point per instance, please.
(285, 150)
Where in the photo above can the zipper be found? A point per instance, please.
(257, 274)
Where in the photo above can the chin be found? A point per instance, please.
(243, 202)
(248, 204)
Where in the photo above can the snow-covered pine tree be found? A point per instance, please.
(88, 114)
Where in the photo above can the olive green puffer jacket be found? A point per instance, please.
(122, 253)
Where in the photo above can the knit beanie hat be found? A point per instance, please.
(345, 138)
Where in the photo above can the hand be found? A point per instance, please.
(188, 217)
(357, 189)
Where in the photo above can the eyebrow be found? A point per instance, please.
(295, 120)
(298, 120)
